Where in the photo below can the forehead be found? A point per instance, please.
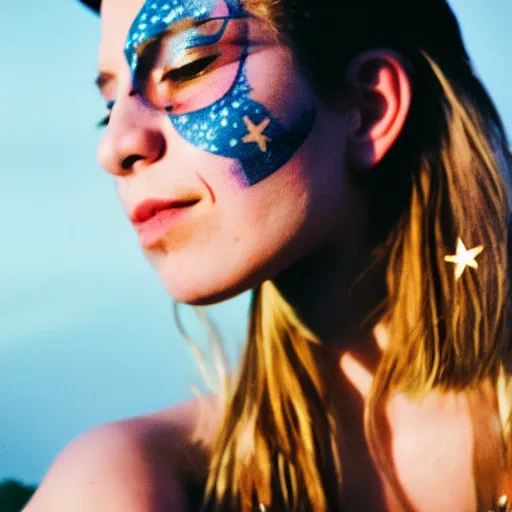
(116, 19)
(147, 19)
(156, 15)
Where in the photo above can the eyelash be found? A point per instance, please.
(190, 70)
(184, 73)
(104, 122)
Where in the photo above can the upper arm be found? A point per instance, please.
(103, 470)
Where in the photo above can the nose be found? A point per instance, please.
(133, 138)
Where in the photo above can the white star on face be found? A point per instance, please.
(256, 133)
(464, 258)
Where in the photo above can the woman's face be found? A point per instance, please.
(229, 166)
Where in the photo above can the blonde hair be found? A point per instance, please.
(256, 454)
(448, 334)
(277, 441)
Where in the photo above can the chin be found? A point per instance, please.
(207, 275)
(199, 288)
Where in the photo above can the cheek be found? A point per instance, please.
(236, 247)
(278, 84)
(256, 123)
(250, 234)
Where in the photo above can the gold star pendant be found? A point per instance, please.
(256, 133)
(464, 258)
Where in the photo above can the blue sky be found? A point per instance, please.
(86, 331)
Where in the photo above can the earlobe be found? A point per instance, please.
(380, 103)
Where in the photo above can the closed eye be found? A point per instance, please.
(191, 70)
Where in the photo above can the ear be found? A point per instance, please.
(381, 97)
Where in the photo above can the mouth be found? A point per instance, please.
(154, 218)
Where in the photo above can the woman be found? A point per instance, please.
(343, 161)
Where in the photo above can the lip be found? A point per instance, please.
(154, 218)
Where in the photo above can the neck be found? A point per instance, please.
(338, 292)
(339, 295)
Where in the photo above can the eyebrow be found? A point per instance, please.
(103, 79)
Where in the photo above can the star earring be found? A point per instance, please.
(464, 258)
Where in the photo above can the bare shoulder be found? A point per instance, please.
(437, 443)
(143, 464)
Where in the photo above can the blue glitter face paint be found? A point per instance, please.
(156, 16)
(235, 125)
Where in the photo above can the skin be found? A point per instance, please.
(219, 111)
(222, 233)
(307, 226)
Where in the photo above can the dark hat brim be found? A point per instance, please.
(92, 4)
